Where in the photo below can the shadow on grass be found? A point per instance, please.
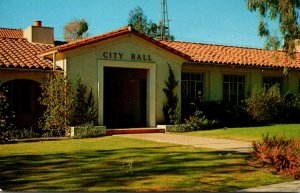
(132, 169)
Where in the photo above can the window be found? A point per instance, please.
(234, 89)
(270, 81)
(192, 87)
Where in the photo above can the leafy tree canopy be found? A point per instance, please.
(286, 12)
(76, 29)
(139, 21)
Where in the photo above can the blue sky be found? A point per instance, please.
(225, 22)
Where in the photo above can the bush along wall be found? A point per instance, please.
(7, 116)
(88, 130)
(215, 114)
(263, 106)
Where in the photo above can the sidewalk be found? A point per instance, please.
(283, 187)
(220, 144)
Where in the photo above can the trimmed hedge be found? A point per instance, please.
(87, 131)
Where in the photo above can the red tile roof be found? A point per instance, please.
(112, 34)
(232, 55)
(17, 52)
(11, 33)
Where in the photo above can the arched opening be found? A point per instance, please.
(23, 99)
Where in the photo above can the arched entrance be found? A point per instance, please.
(23, 99)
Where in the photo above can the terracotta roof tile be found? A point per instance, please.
(17, 52)
(209, 53)
(11, 33)
(112, 34)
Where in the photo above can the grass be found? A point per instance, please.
(121, 164)
(250, 133)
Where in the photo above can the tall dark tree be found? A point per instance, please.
(170, 106)
(80, 104)
(91, 115)
(76, 29)
(287, 13)
(85, 111)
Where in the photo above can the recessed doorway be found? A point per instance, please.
(125, 97)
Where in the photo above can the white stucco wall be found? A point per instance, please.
(87, 61)
(254, 77)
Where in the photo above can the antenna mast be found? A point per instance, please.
(164, 21)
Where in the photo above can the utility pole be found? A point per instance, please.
(164, 21)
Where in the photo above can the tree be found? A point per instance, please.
(138, 20)
(58, 99)
(85, 111)
(170, 106)
(76, 29)
(285, 11)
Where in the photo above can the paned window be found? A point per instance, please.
(270, 81)
(192, 87)
(234, 89)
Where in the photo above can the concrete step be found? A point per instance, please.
(134, 131)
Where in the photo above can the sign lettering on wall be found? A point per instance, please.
(132, 56)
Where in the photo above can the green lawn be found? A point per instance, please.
(121, 164)
(251, 133)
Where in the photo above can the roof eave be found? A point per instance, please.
(266, 66)
(48, 54)
(103, 37)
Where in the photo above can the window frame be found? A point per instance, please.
(191, 84)
(273, 82)
(236, 92)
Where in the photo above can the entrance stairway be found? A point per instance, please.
(134, 131)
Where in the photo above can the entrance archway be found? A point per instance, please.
(125, 97)
(23, 99)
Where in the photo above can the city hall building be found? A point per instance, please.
(127, 71)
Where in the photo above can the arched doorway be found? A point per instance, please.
(23, 99)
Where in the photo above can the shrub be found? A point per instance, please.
(57, 97)
(196, 122)
(291, 111)
(224, 114)
(283, 155)
(265, 105)
(87, 130)
(24, 133)
(6, 116)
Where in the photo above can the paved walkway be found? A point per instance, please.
(220, 144)
(283, 187)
